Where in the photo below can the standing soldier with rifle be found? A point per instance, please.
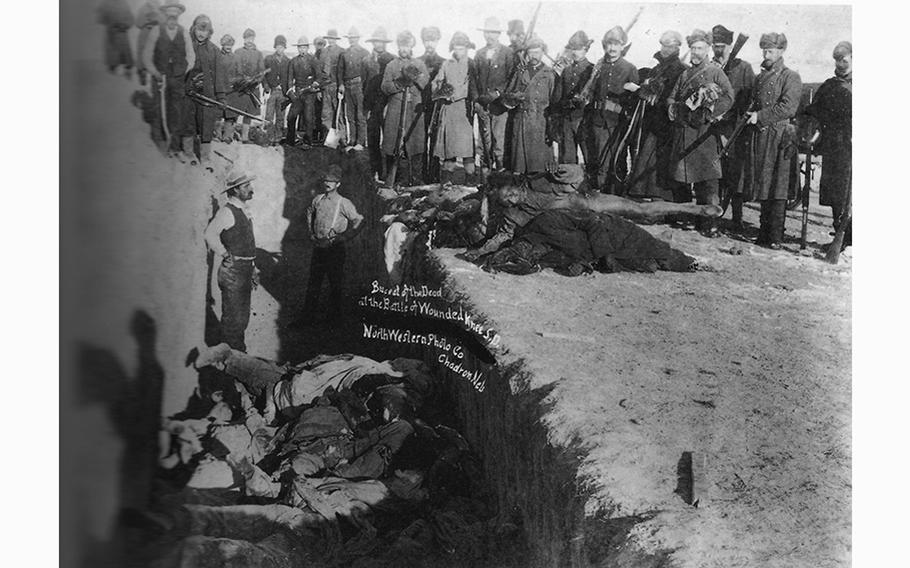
(455, 137)
(350, 73)
(772, 141)
(742, 79)
(404, 78)
(608, 94)
(303, 84)
(532, 91)
(277, 66)
(205, 80)
(493, 66)
(833, 110)
(249, 71)
(168, 56)
(701, 96)
(576, 70)
(651, 169)
(374, 100)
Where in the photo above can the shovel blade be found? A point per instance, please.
(332, 138)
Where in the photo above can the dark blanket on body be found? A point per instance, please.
(575, 242)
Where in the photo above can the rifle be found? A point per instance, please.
(846, 218)
(512, 83)
(432, 172)
(741, 40)
(628, 46)
(807, 186)
(204, 100)
(399, 139)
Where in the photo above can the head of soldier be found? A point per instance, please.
(406, 43)
(843, 59)
(669, 44)
(577, 48)
(302, 48)
(699, 46)
(491, 31)
(721, 39)
(378, 46)
(353, 38)
(319, 43)
(332, 179)
(536, 48)
(430, 38)
(249, 38)
(460, 45)
(612, 42)
(772, 47)
(227, 43)
(281, 44)
(332, 37)
(719, 49)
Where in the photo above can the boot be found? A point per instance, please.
(445, 176)
(777, 221)
(459, 176)
(188, 155)
(205, 156)
(227, 133)
(245, 133)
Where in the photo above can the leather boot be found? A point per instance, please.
(188, 153)
(445, 176)
(245, 133)
(777, 221)
(459, 176)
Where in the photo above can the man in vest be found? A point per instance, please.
(168, 55)
(493, 67)
(332, 220)
(230, 237)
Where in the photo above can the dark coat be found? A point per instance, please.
(833, 109)
(394, 92)
(608, 86)
(207, 62)
(695, 151)
(571, 81)
(328, 63)
(277, 66)
(350, 62)
(303, 70)
(374, 67)
(772, 142)
(225, 76)
(530, 150)
(249, 63)
(491, 76)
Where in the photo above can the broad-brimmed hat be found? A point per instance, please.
(172, 6)
(353, 32)
(332, 173)
(332, 34)
(236, 179)
(302, 40)
(491, 24)
(380, 36)
(720, 34)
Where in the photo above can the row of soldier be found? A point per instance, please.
(656, 133)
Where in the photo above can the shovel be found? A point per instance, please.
(335, 136)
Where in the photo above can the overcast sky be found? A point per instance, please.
(812, 30)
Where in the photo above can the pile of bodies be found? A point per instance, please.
(523, 223)
(340, 460)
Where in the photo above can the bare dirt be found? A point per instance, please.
(746, 365)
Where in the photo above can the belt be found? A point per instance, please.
(608, 106)
(245, 258)
(352, 81)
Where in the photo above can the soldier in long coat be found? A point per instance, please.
(404, 78)
(374, 100)
(116, 16)
(206, 80)
(455, 138)
(833, 109)
(742, 79)
(651, 174)
(531, 150)
(772, 147)
(227, 67)
(350, 72)
(493, 65)
(701, 96)
(609, 100)
(250, 67)
(573, 76)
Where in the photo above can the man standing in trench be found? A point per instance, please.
(230, 237)
(332, 220)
